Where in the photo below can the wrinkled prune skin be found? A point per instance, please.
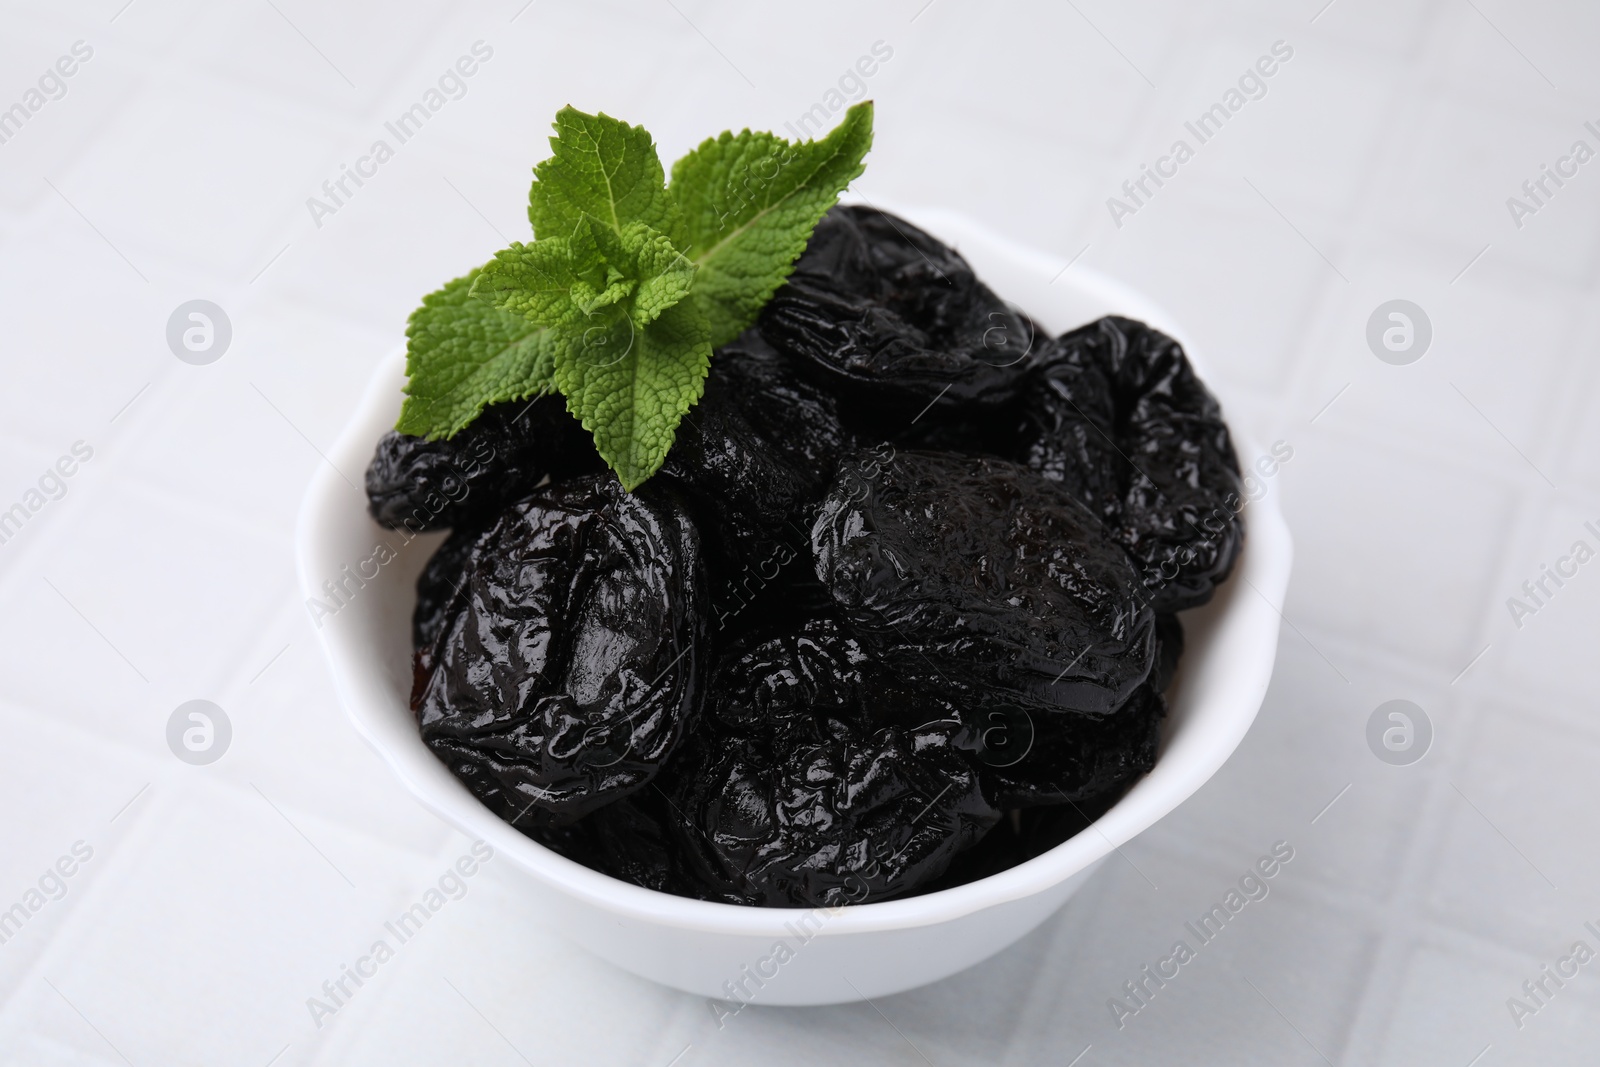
(568, 665)
(498, 457)
(817, 666)
(761, 444)
(1067, 429)
(1074, 757)
(798, 421)
(979, 573)
(790, 799)
(439, 583)
(754, 457)
(631, 839)
(1169, 649)
(830, 816)
(1119, 416)
(895, 322)
(1025, 834)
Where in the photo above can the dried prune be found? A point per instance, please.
(837, 817)
(798, 421)
(754, 456)
(817, 667)
(631, 839)
(499, 457)
(788, 798)
(759, 445)
(1073, 757)
(1067, 428)
(1024, 834)
(895, 322)
(439, 582)
(1169, 649)
(1119, 415)
(568, 665)
(981, 573)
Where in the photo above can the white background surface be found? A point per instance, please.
(218, 898)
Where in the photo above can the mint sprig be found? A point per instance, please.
(601, 169)
(750, 201)
(463, 354)
(629, 283)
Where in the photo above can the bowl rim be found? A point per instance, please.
(1263, 566)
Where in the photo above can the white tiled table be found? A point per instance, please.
(1377, 166)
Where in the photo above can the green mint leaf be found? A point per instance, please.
(665, 274)
(630, 353)
(628, 285)
(630, 385)
(565, 283)
(750, 202)
(534, 281)
(604, 169)
(462, 354)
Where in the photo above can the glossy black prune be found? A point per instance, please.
(895, 322)
(837, 817)
(817, 666)
(1025, 833)
(1067, 428)
(1073, 757)
(760, 445)
(631, 839)
(798, 421)
(499, 457)
(981, 574)
(754, 456)
(1118, 414)
(1169, 649)
(569, 664)
(790, 799)
(439, 582)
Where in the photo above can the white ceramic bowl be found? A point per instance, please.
(845, 954)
